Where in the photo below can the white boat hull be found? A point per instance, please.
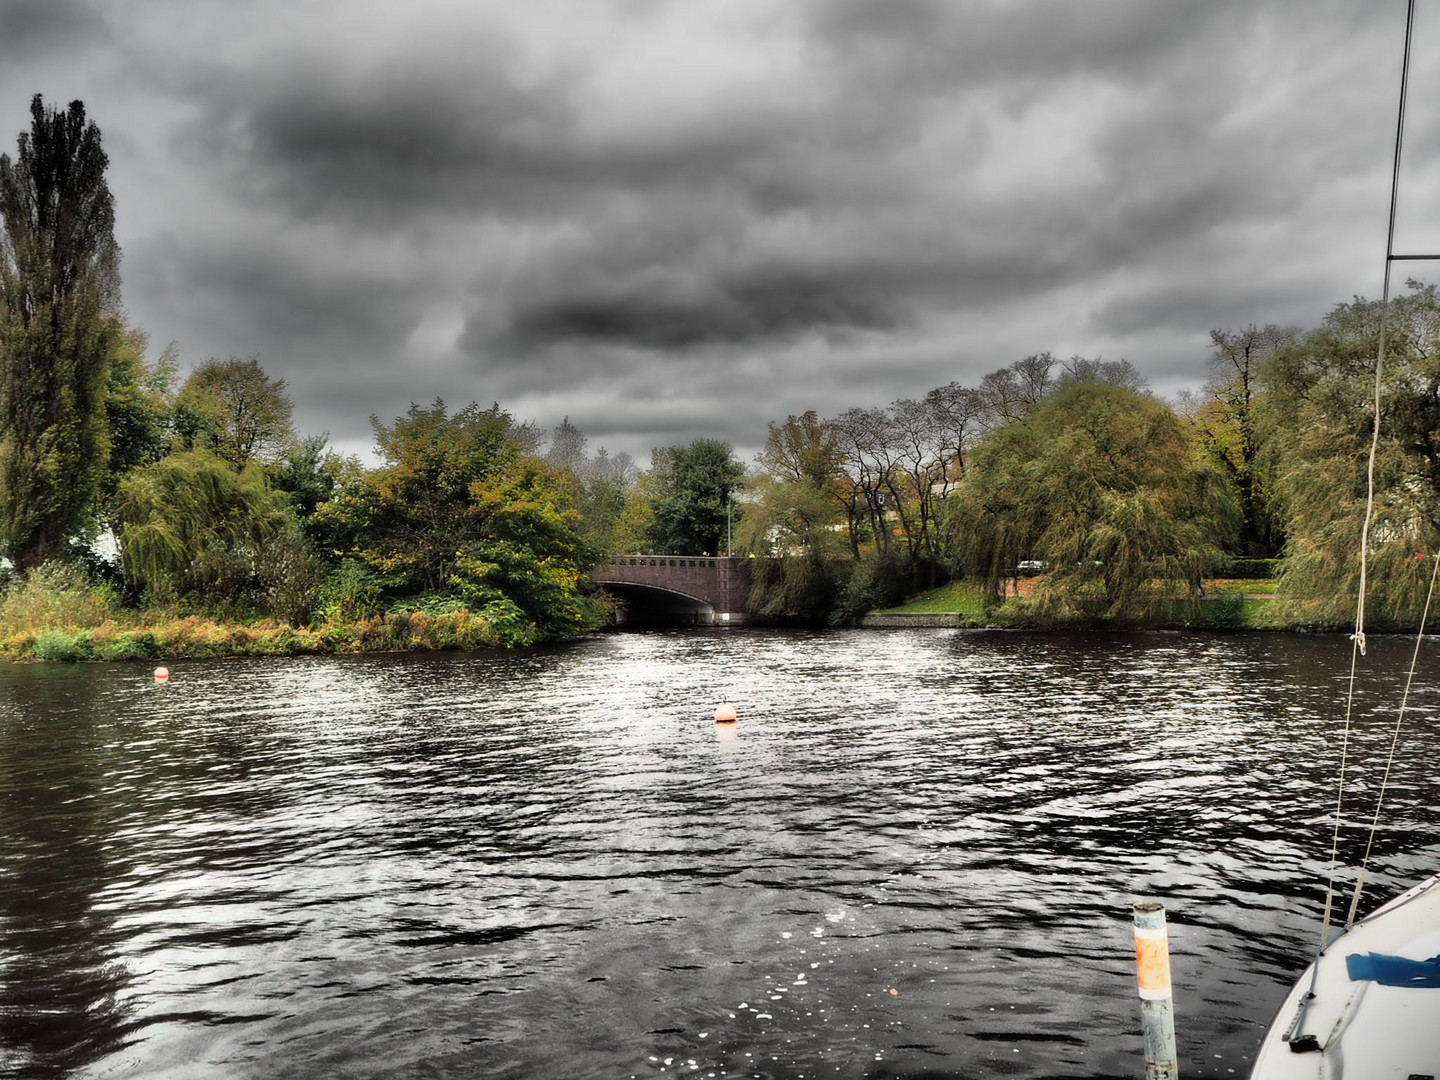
(1363, 1030)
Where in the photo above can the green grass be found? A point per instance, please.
(1256, 614)
(1250, 607)
(1245, 587)
(959, 597)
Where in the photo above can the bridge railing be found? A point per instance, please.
(671, 560)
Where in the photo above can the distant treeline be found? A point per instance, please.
(1115, 501)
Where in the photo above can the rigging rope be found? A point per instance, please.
(1358, 637)
(1394, 745)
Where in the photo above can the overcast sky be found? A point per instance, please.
(675, 218)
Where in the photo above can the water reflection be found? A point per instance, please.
(62, 976)
(556, 863)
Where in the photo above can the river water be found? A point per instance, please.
(914, 856)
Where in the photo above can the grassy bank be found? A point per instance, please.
(58, 616)
(958, 598)
(1227, 605)
(198, 637)
(68, 621)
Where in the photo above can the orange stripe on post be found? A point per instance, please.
(1152, 961)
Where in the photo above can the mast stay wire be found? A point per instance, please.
(1358, 637)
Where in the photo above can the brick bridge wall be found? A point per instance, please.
(722, 583)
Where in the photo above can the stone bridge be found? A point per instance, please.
(677, 589)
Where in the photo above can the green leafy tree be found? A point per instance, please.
(234, 409)
(605, 490)
(59, 298)
(526, 550)
(1227, 424)
(461, 506)
(693, 497)
(139, 401)
(194, 529)
(308, 474)
(795, 516)
(138, 406)
(1318, 410)
(1103, 484)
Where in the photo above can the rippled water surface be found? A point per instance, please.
(914, 856)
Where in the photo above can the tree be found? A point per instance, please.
(138, 408)
(1226, 423)
(233, 408)
(59, 298)
(192, 526)
(802, 491)
(1102, 484)
(693, 489)
(959, 415)
(1317, 413)
(461, 507)
(606, 485)
(863, 441)
(308, 474)
(793, 515)
(1010, 393)
(567, 448)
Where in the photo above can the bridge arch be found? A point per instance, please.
(676, 590)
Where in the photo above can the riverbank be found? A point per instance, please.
(1227, 604)
(199, 638)
(112, 636)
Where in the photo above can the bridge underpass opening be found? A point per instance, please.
(645, 605)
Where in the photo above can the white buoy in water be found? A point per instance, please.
(725, 714)
(161, 674)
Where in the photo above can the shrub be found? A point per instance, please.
(1224, 612)
(351, 593)
(502, 623)
(130, 645)
(292, 578)
(877, 581)
(55, 594)
(62, 646)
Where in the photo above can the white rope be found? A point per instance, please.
(1358, 638)
(1394, 745)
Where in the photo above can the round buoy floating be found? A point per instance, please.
(161, 674)
(725, 714)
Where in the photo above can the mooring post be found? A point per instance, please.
(1157, 1010)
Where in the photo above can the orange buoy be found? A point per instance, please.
(162, 673)
(725, 714)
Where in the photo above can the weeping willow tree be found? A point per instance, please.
(192, 527)
(1102, 484)
(1318, 407)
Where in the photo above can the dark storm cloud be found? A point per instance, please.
(460, 132)
(30, 29)
(383, 144)
(662, 215)
(746, 312)
(469, 131)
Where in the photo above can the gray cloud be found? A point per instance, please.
(669, 220)
(33, 29)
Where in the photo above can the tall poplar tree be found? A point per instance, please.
(59, 303)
